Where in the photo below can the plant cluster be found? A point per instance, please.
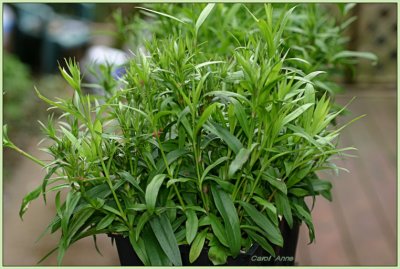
(312, 34)
(199, 148)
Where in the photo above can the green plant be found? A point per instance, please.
(320, 41)
(196, 148)
(314, 39)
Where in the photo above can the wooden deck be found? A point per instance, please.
(360, 226)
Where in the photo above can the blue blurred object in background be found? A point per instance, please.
(44, 36)
(8, 25)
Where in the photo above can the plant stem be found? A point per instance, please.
(32, 158)
(169, 170)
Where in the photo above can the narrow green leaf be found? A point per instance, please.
(77, 221)
(129, 178)
(46, 181)
(112, 210)
(197, 246)
(275, 182)
(47, 255)
(266, 30)
(203, 15)
(261, 241)
(238, 162)
(70, 136)
(212, 166)
(270, 209)
(70, 203)
(204, 117)
(355, 54)
(299, 192)
(143, 219)
(228, 95)
(171, 210)
(296, 113)
(176, 180)
(62, 247)
(137, 207)
(27, 199)
(283, 206)
(181, 236)
(241, 116)
(224, 184)
(264, 223)
(171, 157)
(218, 229)
(192, 224)
(152, 191)
(306, 217)
(226, 208)
(199, 88)
(165, 235)
(162, 14)
(178, 223)
(233, 143)
(252, 15)
(208, 63)
(139, 248)
(158, 257)
(105, 222)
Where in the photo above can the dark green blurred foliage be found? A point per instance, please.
(18, 94)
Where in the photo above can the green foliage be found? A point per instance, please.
(197, 147)
(17, 85)
(312, 36)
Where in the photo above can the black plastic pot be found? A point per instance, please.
(256, 256)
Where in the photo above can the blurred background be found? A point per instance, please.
(357, 228)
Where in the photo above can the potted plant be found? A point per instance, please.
(194, 158)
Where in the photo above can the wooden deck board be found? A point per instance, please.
(359, 227)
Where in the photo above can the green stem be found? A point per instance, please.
(112, 190)
(17, 149)
(106, 172)
(169, 171)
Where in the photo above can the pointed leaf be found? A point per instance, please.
(238, 162)
(162, 14)
(261, 241)
(158, 257)
(204, 117)
(218, 229)
(139, 248)
(166, 238)
(203, 15)
(143, 219)
(152, 192)
(197, 246)
(264, 223)
(192, 224)
(233, 143)
(296, 113)
(105, 222)
(283, 206)
(27, 199)
(212, 166)
(176, 180)
(129, 178)
(226, 208)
